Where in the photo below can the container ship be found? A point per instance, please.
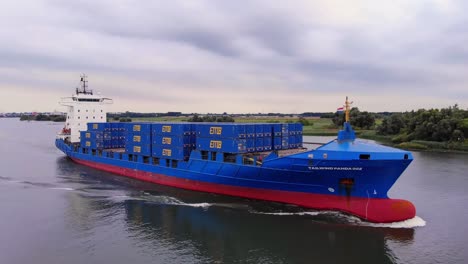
(253, 160)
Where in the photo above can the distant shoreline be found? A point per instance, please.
(315, 127)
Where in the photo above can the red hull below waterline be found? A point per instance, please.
(371, 209)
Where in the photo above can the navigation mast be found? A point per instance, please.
(83, 86)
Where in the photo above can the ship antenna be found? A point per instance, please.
(84, 85)
(83, 82)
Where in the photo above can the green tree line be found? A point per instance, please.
(41, 117)
(208, 118)
(446, 124)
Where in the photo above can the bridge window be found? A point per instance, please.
(204, 155)
(213, 156)
(174, 163)
(87, 100)
(406, 156)
(364, 156)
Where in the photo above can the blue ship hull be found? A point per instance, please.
(335, 176)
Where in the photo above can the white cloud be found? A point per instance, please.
(216, 56)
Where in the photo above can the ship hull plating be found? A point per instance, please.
(367, 201)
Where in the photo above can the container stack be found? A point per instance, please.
(285, 141)
(98, 136)
(118, 135)
(299, 136)
(245, 138)
(92, 139)
(173, 140)
(138, 138)
(230, 138)
(277, 134)
(177, 140)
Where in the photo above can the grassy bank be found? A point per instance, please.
(420, 145)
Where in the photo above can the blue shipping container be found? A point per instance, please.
(259, 130)
(93, 144)
(292, 142)
(292, 129)
(267, 143)
(138, 138)
(174, 141)
(277, 130)
(171, 152)
(299, 129)
(284, 142)
(107, 135)
(142, 149)
(140, 128)
(267, 130)
(222, 145)
(277, 143)
(299, 141)
(285, 129)
(115, 143)
(173, 129)
(117, 126)
(99, 126)
(250, 130)
(259, 144)
(219, 130)
(91, 134)
(250, 143)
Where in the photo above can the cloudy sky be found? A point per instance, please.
(236, 56)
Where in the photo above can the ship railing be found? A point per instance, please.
(313, 145)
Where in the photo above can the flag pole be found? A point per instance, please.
(347, 109)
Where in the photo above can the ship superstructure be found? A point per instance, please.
(257, 161)
(83, 107)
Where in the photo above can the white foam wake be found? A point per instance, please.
(410, 223)
(289, 214)
(167, 200)
(202, 205)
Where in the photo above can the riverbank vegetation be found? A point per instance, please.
(41, 117)
(445, 128)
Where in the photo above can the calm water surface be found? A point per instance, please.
(55, 211)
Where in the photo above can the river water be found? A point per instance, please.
(56, 211)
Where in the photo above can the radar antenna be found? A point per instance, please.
(84, 86)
